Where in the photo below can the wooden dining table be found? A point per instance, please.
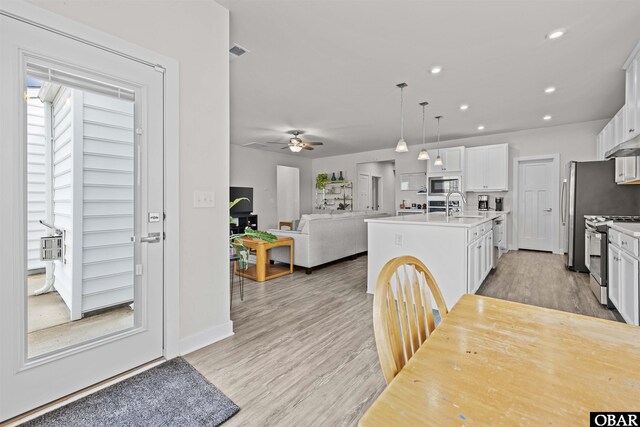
(492, 362)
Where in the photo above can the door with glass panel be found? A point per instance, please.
(81, 184)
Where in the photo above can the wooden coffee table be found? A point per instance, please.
(264, 270)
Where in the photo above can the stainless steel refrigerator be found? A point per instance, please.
(589, 188)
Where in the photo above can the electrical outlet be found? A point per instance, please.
(399, 239)
(204, 199)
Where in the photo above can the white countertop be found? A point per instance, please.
(631, 228)
(472, 219)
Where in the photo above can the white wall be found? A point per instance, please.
(385, 170)
(257, 168)
(196, 33)
(573, 142)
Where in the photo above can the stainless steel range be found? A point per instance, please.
(596, 229)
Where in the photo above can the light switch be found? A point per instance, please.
(204, 199)
(399, 239)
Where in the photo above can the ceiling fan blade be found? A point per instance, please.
(273, 142)
(285, 147)
(314, 143)
(306, 147)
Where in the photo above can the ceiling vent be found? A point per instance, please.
(237, 51)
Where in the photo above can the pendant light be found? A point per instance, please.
(401, 147)
(438, 161)
(424, 154)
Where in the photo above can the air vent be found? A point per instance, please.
(237, 51)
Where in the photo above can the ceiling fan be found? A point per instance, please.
(296, 144)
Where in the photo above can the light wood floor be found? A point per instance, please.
(541, 279)
(303, 352)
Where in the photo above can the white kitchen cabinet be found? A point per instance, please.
(624, 275)
(599, 147)
(473, 261)
(613, 261)
(628, 298)
(627, 169)
(479, 255)
(487, 168)
(452, 160)
(631, 126)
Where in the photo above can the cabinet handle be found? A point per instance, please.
(624, 243)
(631, 130)
(480, 247)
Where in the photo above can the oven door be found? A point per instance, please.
(594, 250)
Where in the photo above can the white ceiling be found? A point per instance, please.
(330, 67)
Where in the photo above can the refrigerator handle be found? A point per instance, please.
(563, 202)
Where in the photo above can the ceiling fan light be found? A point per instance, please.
(295, 148)
(438, 161)
(423, 155)
(401, 147)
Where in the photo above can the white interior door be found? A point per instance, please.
(376, 192)
(363, 192)
(288, 193)
(535, 205)
(98, 310)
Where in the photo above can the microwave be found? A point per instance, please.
(441, 185)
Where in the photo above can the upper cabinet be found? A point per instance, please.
(487, 168)
(452, 160)
(625, 125)
(631, 125)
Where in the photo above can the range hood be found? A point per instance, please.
(628, 148)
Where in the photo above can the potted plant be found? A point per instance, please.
(321, 179)
(235, 240)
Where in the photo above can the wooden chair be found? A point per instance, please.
(402, 312)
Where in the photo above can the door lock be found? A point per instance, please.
(151, 238)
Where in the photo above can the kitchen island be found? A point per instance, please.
(457, 249)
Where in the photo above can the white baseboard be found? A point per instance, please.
(202, 339)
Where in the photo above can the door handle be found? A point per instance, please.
(151, 238)
(547, 210)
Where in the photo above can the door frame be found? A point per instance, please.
(555, 196)
(33, 15)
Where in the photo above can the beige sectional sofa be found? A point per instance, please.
(322, 238)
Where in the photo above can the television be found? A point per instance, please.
(245, 206)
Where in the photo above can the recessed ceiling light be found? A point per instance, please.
(547, 117)
(480, 127)
(464, 107)
(550, 89)
(556, 34)
(436, 69)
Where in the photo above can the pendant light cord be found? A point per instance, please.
(401, 113)
(423, 127)
(439, 136)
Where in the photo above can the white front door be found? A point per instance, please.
(81, 151)
(535, 205)
(363, 192)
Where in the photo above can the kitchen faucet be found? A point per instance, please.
(446, 203)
